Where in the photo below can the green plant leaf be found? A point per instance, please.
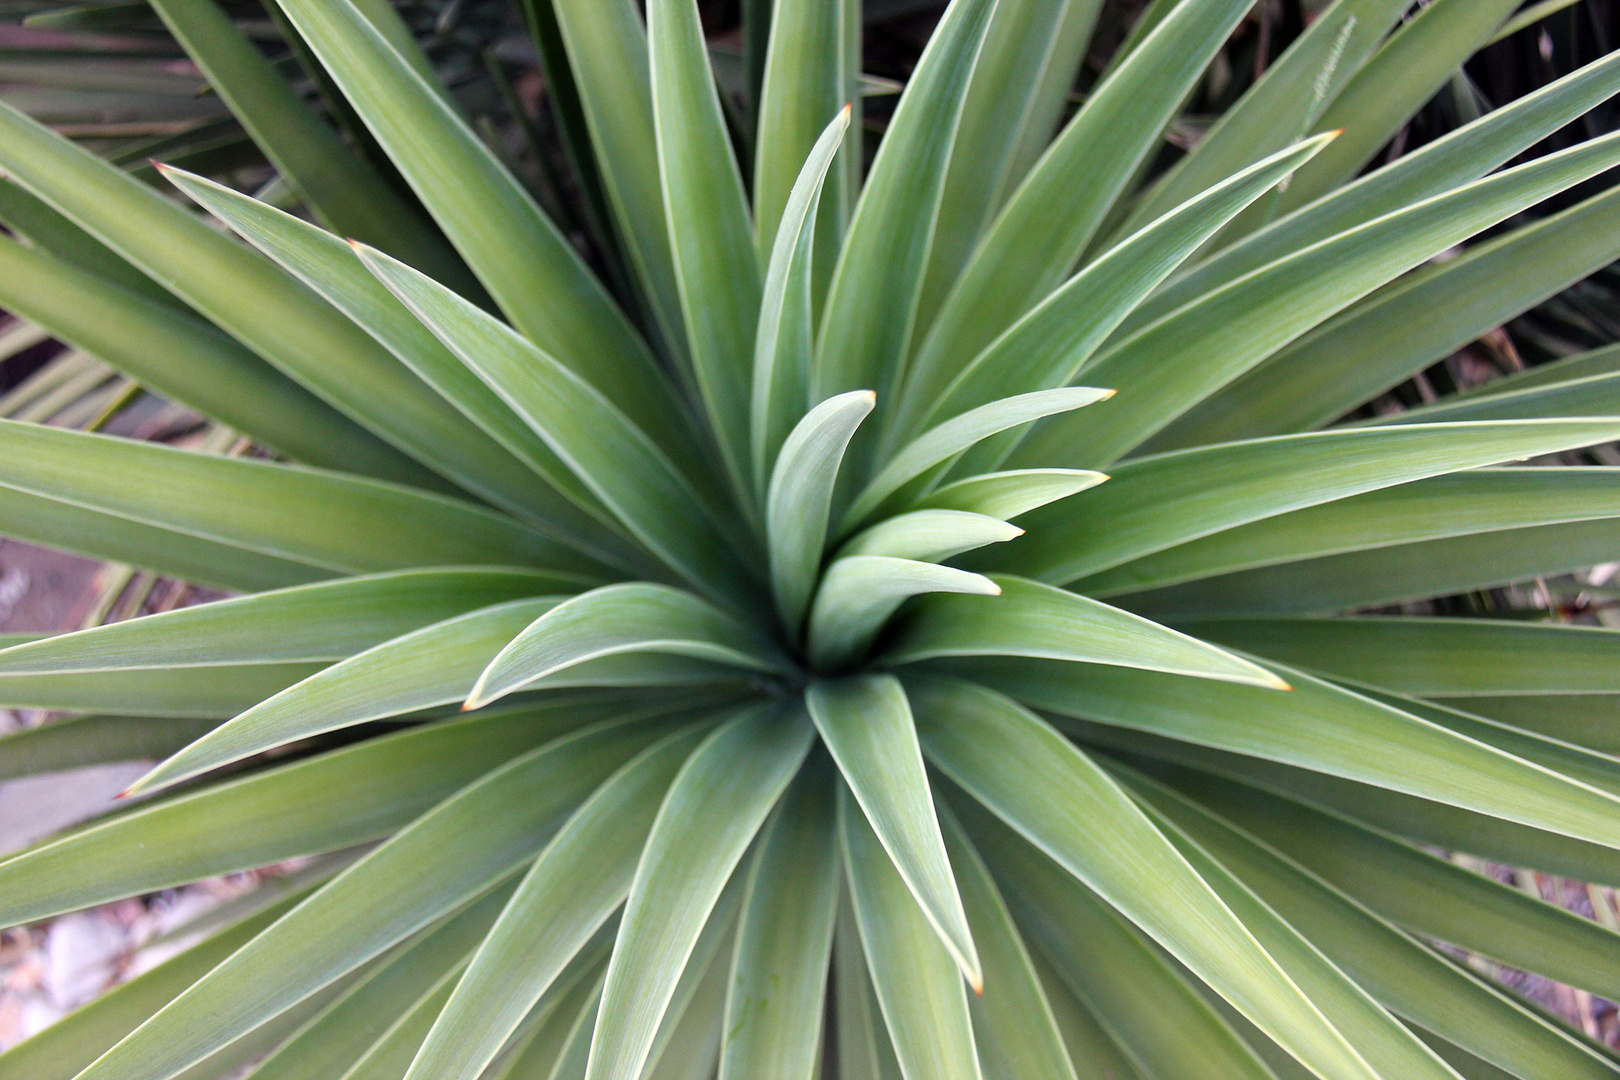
(1168, 499)
(94, 740)
(1035, 620)
(1596, 395)
(717, 803)
(916, 979)
(1013, 493)
(581, 876)
(530, 269)
(711, 237)
(1587, 720)
(604, 447)
(773, 1021)
(461, 849)
(798, 502)
(326, 621)
(783, 345)
(1439, 657)
(177, 354)
(175, 693)
(858, 594)
(1052, 793)
(865, 722)
(955, 435)
(929, 535)
(615, 620)
(866, 325)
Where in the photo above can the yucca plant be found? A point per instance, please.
(784, 748)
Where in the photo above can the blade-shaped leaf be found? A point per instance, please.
(1596, 395)
(603, 446)
(783, 343)
(95, 740)
(1052, 793)
(176, 692)
(918, 986)
(865, 1051)
(866, 724)
(957, 434)
(581, 876)
(1158, 502)
(618, 619)
(326, 621)
(799, 500)
(1013, 493)
(860, 592)
(930, 535)
(1031, 619)
(716, 271)
(717, 803)
(778, 974)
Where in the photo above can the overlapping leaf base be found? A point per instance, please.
(903, 628)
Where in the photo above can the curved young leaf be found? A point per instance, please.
(798, 502)
(717, 803)
(859, 593)
(916, 979)
(1010, 494)
(1035, 620)
(929, 535)
(865, 722)
(615, 620)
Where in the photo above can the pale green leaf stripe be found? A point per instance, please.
(212, 693)
(326, 621)
(1325, 729)
(328, 265)
(1167, 368)
(773, 1019)
(1393, 85)
(364, 525)
(783, 342)
(918, 986)
(711, 813)
(178, 355)
(687, 1044)
(1392, 575)
(1591, 721)
(1027, 65)
(95, 740)
(930, 535)
(530, 269)
(245, 295)
(1400, 330)
(1054, 213)
(1282, 105)
(1406, 978)
(1389, 1047)
(1424, 820)
(607, 50)
(866, 724)
(1014, 1027)
(951, 437)
(69, 526)
(710, 233)
(798, 502)
(1455, 504)
(581, 876)
(423, 668)
(1427, 894)
(463, 847)
(1169, 499)
(604, 447)
(340, 187)
(1046, 788)
(1053, 340)
(867, 322)
(859, 593)
(1012, 493)
(615, 620)
(1034, 620)
(61, 1050)
(1457, 158)
(336, 800)
(1143, 1004)
(344, 1033)
(1438, 657)
(1595, 395)
(812, 70)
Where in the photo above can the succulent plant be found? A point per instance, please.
(930, 619)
